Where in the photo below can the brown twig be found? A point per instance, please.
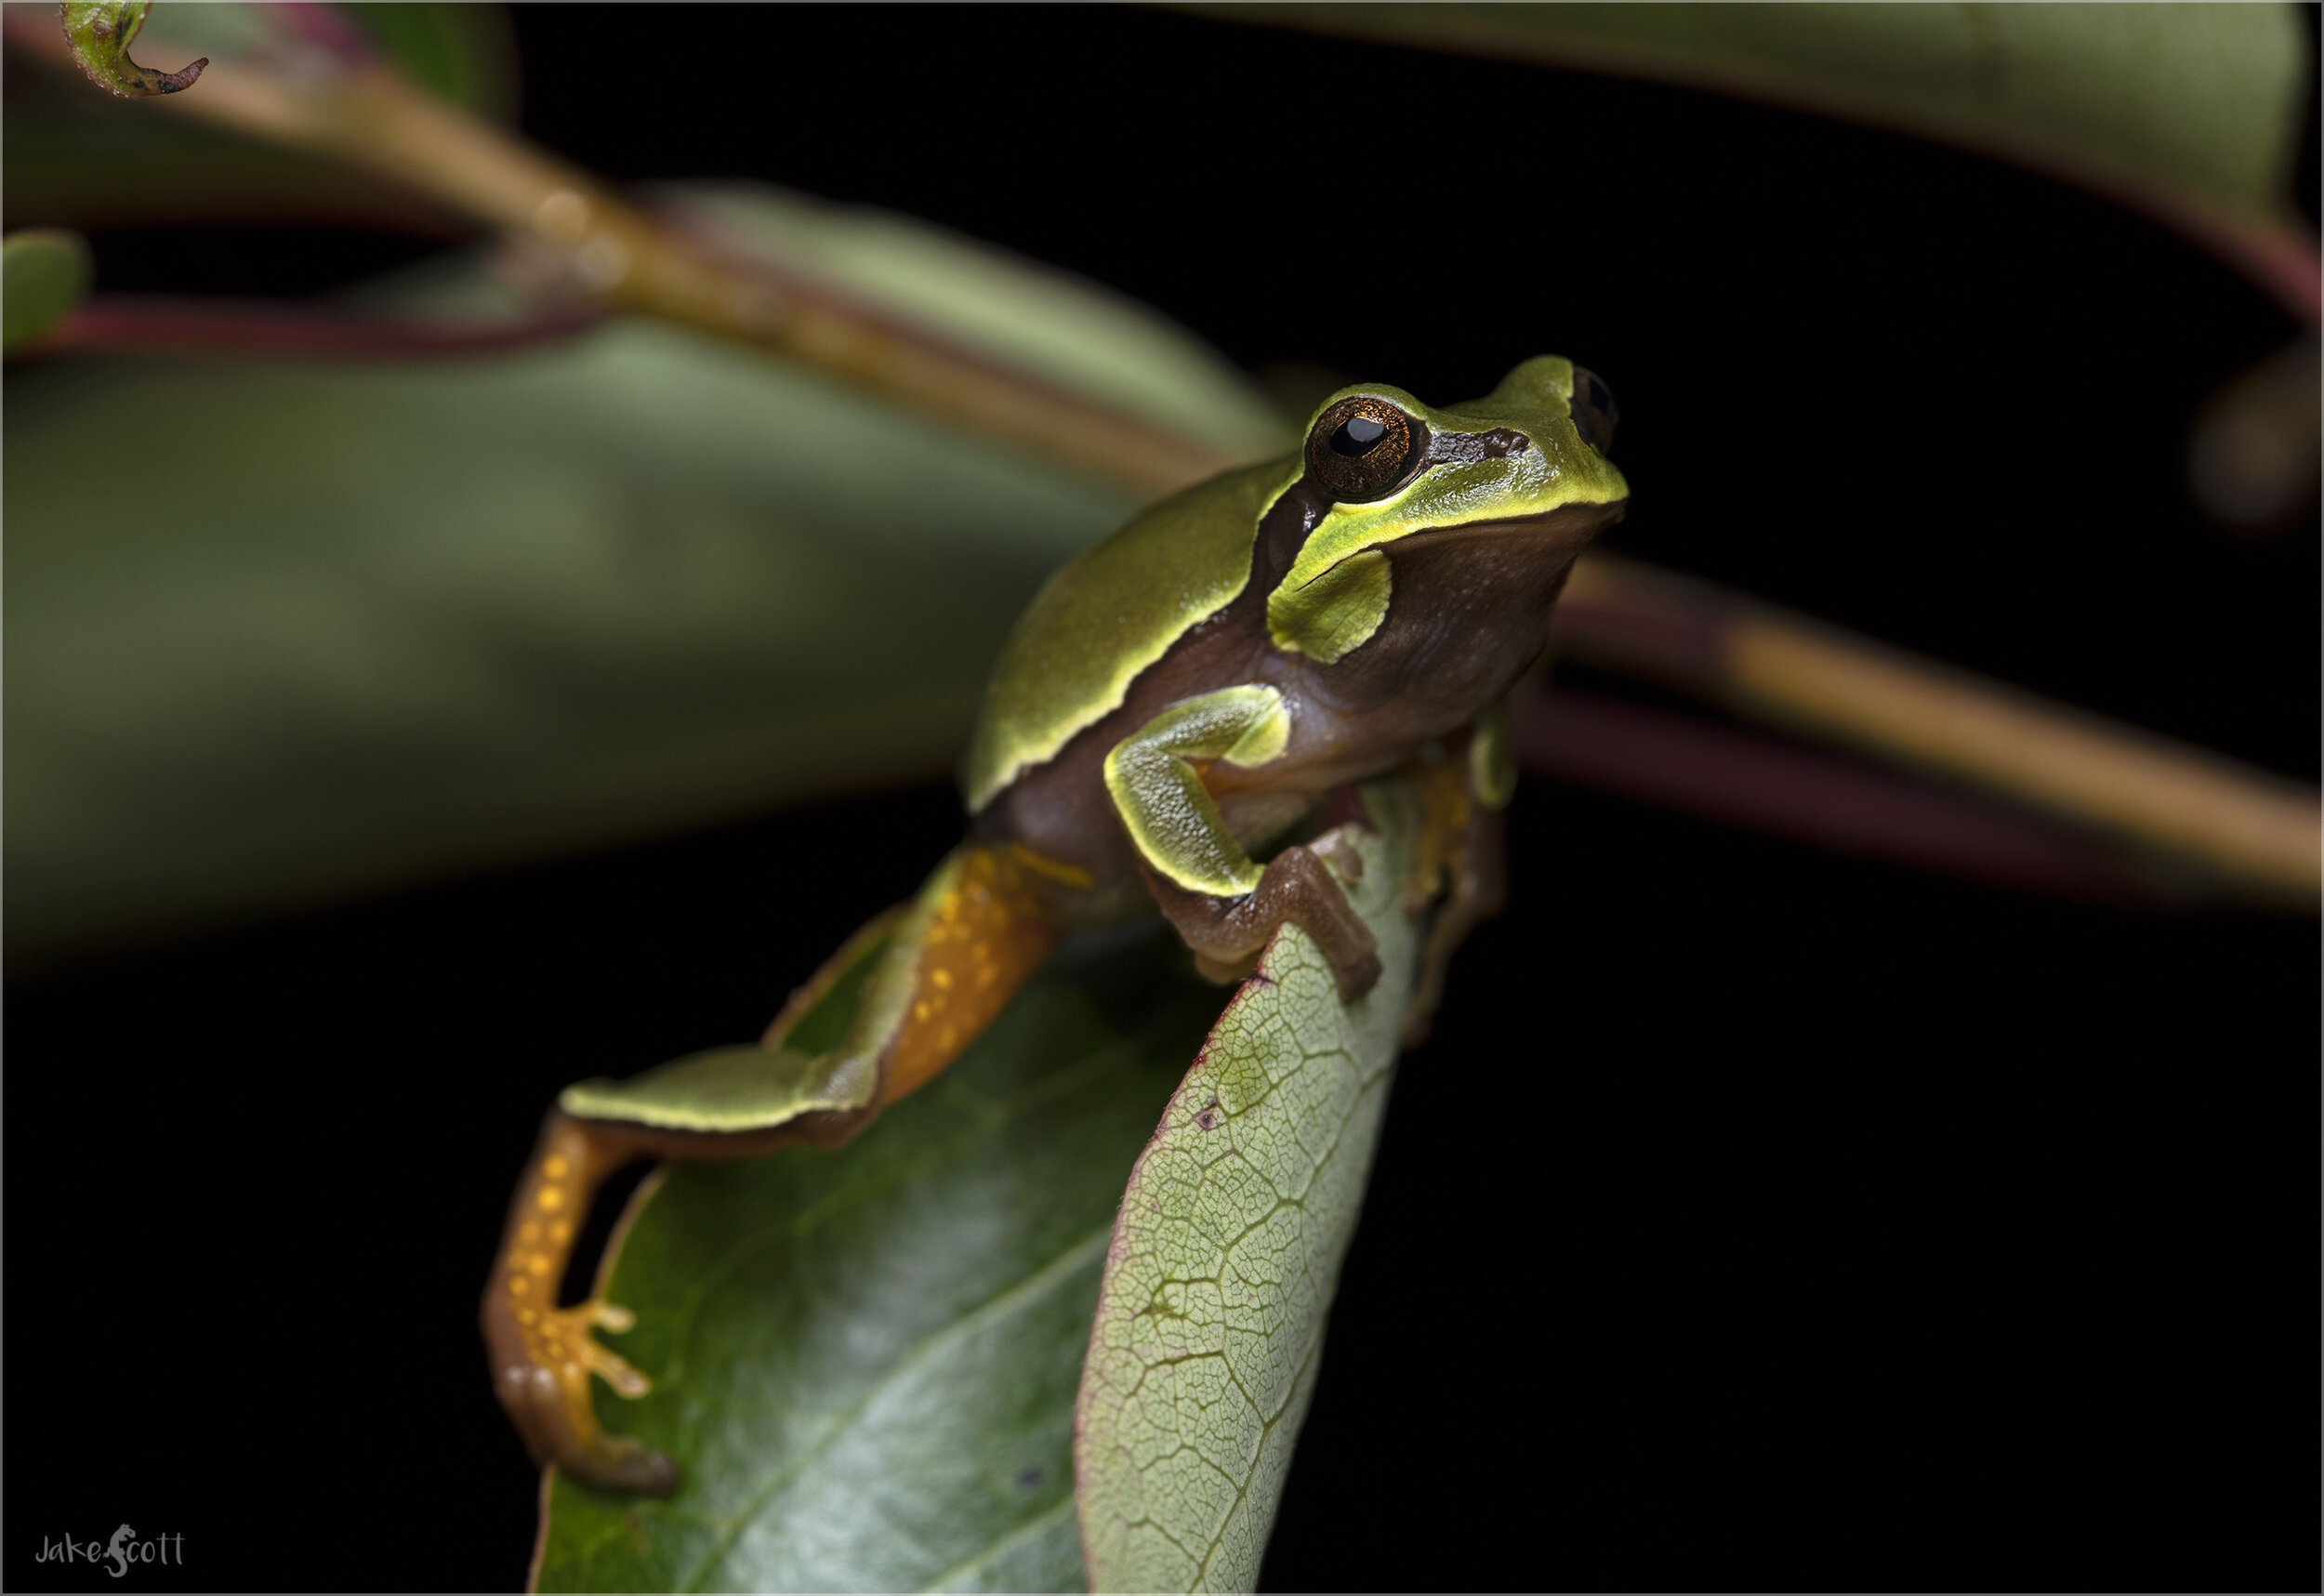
(2263, 832)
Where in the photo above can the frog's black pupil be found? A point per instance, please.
(1356, 436)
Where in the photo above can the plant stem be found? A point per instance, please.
(2261, 831)
(362, 112)
(2255, 829)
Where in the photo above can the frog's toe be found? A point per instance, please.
(543, 1360)
(1356, 974)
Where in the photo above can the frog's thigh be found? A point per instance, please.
(1464, 856)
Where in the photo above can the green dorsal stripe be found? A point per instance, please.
(1111, 613)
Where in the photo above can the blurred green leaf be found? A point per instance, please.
(101, 32)
(1209, 1327)
(369, 623)
(2202, 99)
(865, 1360)
(464, 53)
(1071, 332)
(86, 159)
(43, 274)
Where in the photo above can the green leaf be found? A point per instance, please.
(2200, 99)
(1222, 1267)
(43, 272)
(366, 624)
(101, 32)
(864, 1360)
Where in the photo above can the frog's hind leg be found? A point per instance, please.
(543, 1355)
(900, 1001)
(1463, 856)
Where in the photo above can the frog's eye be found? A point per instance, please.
(1362, 448)
(1594, 414)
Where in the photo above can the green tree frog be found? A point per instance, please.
(1180, 703)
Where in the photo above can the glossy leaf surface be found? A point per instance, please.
(1218, 1279)
(865, 1360)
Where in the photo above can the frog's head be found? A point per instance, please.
(1520, 477)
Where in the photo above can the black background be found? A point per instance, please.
(1756, 1218)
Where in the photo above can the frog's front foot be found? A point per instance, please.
(544, 1356)
(1226, 933)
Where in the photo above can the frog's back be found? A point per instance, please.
(1111, 612)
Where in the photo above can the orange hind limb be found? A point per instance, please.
(900, 1001)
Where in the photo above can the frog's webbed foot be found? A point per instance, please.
(1228, 933)
(891, 1008)
(546, 1394)
(544, 1356)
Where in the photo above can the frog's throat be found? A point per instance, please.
(1338, 609)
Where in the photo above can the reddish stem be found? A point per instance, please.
(144, 324)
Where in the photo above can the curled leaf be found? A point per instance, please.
(43, 272)
(101, 32)
(1226, 1252)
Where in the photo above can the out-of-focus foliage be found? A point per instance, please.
(2253, 458)
(363, 621)
(87, 159)
(865, 1360)
(464, 53)
(44, 272)
(2201, 98)
(101, 32)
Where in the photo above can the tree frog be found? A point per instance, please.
(1177, 705)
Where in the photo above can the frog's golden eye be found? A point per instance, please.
(1594, 414)
(1362, 448)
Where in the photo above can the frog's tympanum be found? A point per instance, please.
(1176, 703)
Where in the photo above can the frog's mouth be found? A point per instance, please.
(1570, 527)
